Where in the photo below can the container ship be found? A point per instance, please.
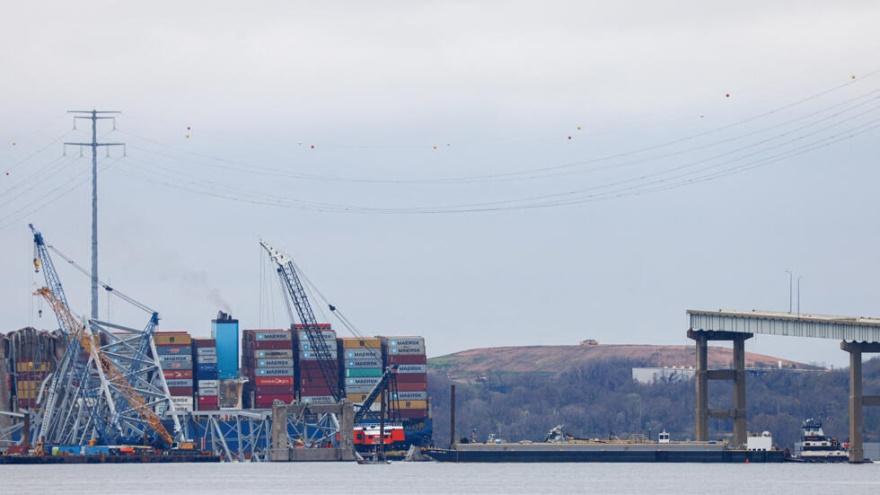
(250, 369)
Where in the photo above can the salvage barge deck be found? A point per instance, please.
(602, 452)
(106, 459)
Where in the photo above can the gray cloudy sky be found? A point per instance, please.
(366, 105)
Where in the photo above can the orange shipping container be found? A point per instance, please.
(172, 338)
(365, 343)
(360, 398)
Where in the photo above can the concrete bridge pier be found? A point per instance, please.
(704, 374)
(857, 400)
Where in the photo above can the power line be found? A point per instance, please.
(47, 199)
(517, 175)
(698, 167)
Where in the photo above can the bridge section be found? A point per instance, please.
(858, 335)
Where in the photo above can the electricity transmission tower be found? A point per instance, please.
(94, 116)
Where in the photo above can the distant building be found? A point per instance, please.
(590, 342)
(676, 374)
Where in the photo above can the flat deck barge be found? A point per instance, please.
(106, 459)
(602, 452)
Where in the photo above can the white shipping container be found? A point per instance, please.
(182, 403)
(206, 351)
(411, 396)
(364, 354)
(207, 359)
(365, 381)
(208, 391)
(406, 341)
(318, 399)
(209, 384)
(175, 358)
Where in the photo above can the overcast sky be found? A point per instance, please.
(365, 106)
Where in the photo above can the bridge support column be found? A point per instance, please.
(704, 374)
(856, 398)
(701, 379)
(740, 433)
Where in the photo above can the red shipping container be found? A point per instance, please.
(265, 401)
(208, 403)
(408, 359)
(271, 344)
(317, 381)
(314, 391)
(274, 381)
(181, 391)
(272, 390)
(412, 378)
(412, 387)
(204, 343)
(314, 365)
(178, 374)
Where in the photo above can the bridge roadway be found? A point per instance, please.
(858, 335)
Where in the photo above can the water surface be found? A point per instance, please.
(430, 478)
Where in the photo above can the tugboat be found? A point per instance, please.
(816, 447)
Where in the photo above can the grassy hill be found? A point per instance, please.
(474, 363)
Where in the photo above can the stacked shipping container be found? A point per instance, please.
(311, 384)
(361, 361)
(268, 363)
(175, 355)
(408, 353)
(207, 378)
(33, 358)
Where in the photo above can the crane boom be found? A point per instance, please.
(296, 296)
(388, 380)
(89, 344)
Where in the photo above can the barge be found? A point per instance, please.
(560, 447)
(602, 452)
(107, 459)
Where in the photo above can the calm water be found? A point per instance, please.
(407, 478)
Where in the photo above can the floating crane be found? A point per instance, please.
(106, 368)
(295, 296)
(109, 384)
(388, 382)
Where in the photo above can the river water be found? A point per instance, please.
(429, 478)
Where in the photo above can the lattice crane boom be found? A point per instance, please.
(296, 297)
(90, 344)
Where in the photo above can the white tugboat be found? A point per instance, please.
(816, 447)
